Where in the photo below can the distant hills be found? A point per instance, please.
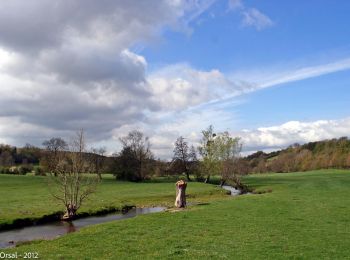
(334, 153)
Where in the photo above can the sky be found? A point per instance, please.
(270, 72)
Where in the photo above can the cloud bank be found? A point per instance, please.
(69, 64)
(280, 136)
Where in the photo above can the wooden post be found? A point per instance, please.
(180, 201)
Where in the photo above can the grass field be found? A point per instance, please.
(28, 196)
(306, 216)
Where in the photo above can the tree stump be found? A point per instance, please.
(180, 201)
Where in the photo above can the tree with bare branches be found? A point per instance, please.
(53, 150)
(98, 158)
(135, 159)
(69, 180)
(184, 157)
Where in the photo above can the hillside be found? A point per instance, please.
(334, 153)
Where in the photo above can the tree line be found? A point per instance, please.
(217, 154)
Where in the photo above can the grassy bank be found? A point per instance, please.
(306, 216)
(28, 198)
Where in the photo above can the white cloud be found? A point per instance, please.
(67, 65)
(280, 136)
(165, 128)
(40, 24)
(180, 86)
(267, 139)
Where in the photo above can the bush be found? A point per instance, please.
(24, 169)
(13, 170)
(39, 171)
(6, 170)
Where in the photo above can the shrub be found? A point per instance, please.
(39, 171)
(13, 170)
(24, 169)
(6, 170)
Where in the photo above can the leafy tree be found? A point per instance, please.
(221, 156)
(228, 151)
(210, 164)
(127, 166)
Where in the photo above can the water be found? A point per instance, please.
(234, 191)
(59, 228)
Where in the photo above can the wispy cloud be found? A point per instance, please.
(307, 72)
(235, 4)
(272, 78)
(255, 18)
(252, 17)
(199, 8)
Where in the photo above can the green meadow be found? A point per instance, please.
(303, 216)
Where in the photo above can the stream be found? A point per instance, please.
(58, 228)
(234, 191)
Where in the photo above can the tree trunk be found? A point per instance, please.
(70, 214)
(187, 175)
(222, 182)
(180, 201)
(207, 179)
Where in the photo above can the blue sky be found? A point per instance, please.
(301, 30)
(271, 72)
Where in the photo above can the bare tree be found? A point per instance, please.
(183, 156)
(6, 159)
(136, 149)
(55, 144)
(52, 154)
(69, 181)
(98, 158)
